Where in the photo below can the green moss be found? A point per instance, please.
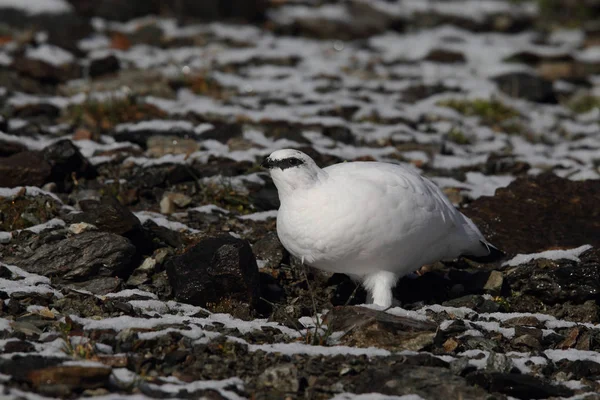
(457, 136)
(583, 104)
(491, 112)
(104, 115)
(22, 212)
(564, 13)
(225, 196)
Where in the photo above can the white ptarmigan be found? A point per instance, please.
(373, 221)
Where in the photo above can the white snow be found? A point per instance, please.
(571, 254)
(260, 216)
(32, 7)
(50, 54)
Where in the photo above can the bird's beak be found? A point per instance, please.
(267, 163)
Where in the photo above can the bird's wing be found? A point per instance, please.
(404, 182)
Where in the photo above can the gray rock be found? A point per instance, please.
(84, 256)
(281, 378)
(427, 382)
(215, 269)
(270, 249)
(498, 362)
(27, 168)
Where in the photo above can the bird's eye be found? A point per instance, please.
(295, 161)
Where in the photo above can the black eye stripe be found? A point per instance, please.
(286, 163)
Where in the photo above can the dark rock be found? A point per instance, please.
(427, 382)
(99, 286)
(215, 269)
(27, 168)
(220, 166)
(582, 369)
(527, 86)
(64, 29)
(88, 255)
(18, 346)
(115, 9)
(534, 214)
(35, 110)
(475, 302)
(266, 198)
(67, 162)
(74, 377)
(19, 366)
(8, 148)
(527, 341)
(223, 132)
(141, 136)
(517, 385)
(339, 133)
(107, 215)
(46, 72)
(103, 66)
(365, 327)
(270, 249)
(553, 283)
(161, 175)
(523, 321)
(347, 291)
(445, 56)
(212, 10)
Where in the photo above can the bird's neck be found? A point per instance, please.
(287, 184)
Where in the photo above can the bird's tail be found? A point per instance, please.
(494, 254)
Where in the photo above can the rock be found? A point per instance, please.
(99, 286)
(365, 328)
(427, 382)
(551, 283)
(474, 302)
(445, 56)
(159, 146)
(582, 369)
(213, 270)
(527, 86)
(18, 346)
(223, 132)
(171, 200)
(517, 385)
(81, 227)
(107, 215)
(20, 366)
(339, 134)
(282, 379)
(160, 175)
(269, 249)
(103, 65)
(523, 321)
(67, 163)
(27, 168)
(8, 148)
(266, 198)
(73, 377)
(528, 341)
(143, 273)
(45, 71)
(493, 286)
(84, 256)
(498, 362)
(114, 9)
(557, 213)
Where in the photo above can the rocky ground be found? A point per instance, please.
(137, 231)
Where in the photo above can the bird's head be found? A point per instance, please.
(291, 170)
